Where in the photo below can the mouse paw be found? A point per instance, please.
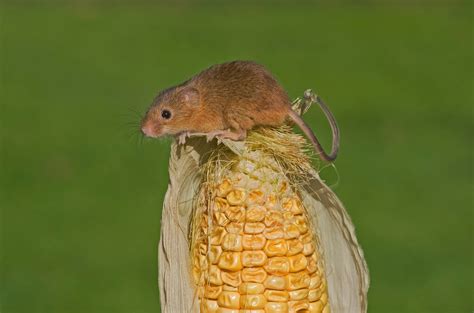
(233, 135)
(210, 136)
(182, 138)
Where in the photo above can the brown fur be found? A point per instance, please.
(226, 99)
(236, 95)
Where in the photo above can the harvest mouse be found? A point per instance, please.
(226, 100)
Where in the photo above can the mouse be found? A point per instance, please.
(226, 101)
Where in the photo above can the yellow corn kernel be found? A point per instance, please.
(254, 275)
(276, 282)
(277, 266)
(232, 242)
(253, 242)
(254, 228)
(233, 279)
(229, 299)
(253, 301)
(251, 288)
(276, 247)
(297, 263)
(277, 295)
(253, 258)
(276, 307)
(230, 261)
(236, 196)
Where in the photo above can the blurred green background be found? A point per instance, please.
(81, 192)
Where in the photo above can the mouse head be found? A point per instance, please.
(170, 112)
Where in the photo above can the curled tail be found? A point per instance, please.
(312, 137)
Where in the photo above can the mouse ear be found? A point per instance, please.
(191, 96)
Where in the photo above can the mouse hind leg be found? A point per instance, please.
(237, 131)
(238, 135)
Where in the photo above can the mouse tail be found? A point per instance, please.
(312, 137)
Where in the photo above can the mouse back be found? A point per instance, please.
(243, 88)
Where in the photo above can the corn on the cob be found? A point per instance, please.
(254, 250)
(267, 235)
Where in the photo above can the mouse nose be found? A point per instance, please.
(148, 130)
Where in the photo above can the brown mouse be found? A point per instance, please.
(227, 100)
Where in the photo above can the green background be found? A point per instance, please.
(81, 192)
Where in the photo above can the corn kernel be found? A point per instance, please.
(271, 201)
(274, 233)
(214, 254)
(315, 307)
(299, 294)
(273, 218)
(217, 235)
(255, 214)
(253, 258)
(235, 213)
(276, 247)
(298, 280)
(294, 247)
(276, 307)
(297, 207)
(215, 275)
(253, 242)
(277, 295)
(297, 306)
(315, 281)
(229, 299)
(224, 188)
(324, 298)
(232, 242)
(312, 264)
(297, 263)
(253, 301)
(275, 282)
(236, 196)
(209, 306)
(291, 231)
(251, 288)
(254, 275)
(229, 288)
(230, 261)
(277, 266)
(306, 238)
(235, 228)
(308, 248)
(255, 197)
(254, 228)
(231, 278)
(300, 222)
(314, 294)
(221, 219)
(212, 292)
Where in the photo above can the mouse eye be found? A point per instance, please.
(166, 114)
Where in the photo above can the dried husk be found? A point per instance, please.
(345, 267)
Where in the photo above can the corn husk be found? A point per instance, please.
(193, 166)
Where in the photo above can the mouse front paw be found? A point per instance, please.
(182, 138)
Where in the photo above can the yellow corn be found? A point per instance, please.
(253, 248)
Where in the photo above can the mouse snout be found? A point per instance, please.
(148, 129)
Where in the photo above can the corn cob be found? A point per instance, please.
(254, 249)
(250, 227)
